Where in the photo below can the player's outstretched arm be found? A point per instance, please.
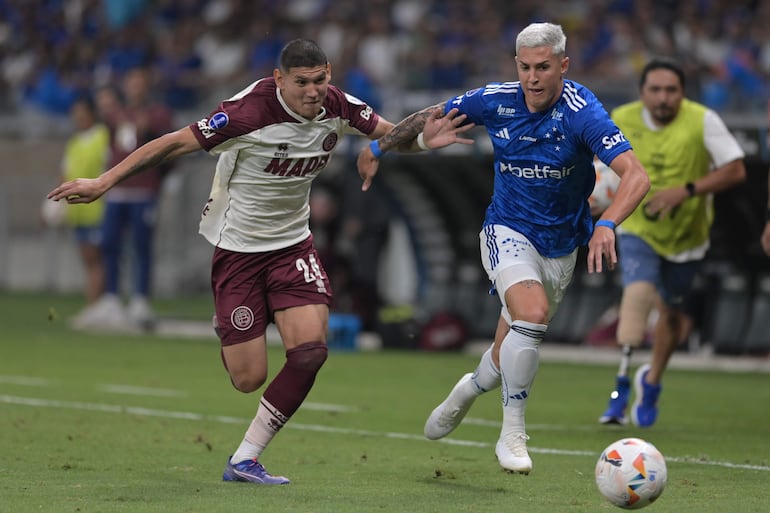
(155, 152)
(435, 130)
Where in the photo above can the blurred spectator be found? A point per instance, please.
(386, 45)
(325, 226)
(364, 229)
(268, 39)
(223, 48)
(120, 13)
(131, 205)
(85, 156)
(178, 67)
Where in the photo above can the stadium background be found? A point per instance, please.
(399, 56)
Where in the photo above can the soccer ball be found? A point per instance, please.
(631, 473)
(604, 190)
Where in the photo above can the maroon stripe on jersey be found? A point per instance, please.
(256, 109)
(361, 116)
(260, 108)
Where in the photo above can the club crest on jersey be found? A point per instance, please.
(330, 142)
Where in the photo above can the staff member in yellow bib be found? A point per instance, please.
(86, 155)
(689, 154)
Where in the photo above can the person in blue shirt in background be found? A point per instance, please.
(545, 131)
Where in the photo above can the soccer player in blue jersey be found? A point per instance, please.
(545, 130)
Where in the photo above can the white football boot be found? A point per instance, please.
(511, 451)
(448, 415)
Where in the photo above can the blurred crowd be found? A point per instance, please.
(202, 51)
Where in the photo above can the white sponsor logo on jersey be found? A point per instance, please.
(537, 171)
(205, 129)
(611, 140)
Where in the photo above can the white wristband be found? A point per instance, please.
(421, 142)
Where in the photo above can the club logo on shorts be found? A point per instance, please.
(242, 318)
(330, 142)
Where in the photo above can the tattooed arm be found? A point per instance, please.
(403, 137)
(438, 130)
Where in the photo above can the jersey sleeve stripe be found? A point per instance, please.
(573, 99)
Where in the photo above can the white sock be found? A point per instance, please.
(519, 360)
(486, 377)
(262, 429)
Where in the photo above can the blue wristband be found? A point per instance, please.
(375, 147)
(606, 223)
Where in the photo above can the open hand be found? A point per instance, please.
(602, 247)
(80, 190)
(440, 131)
(367, 165)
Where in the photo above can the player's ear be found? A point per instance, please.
(328, 72)
(564, 65)
(278, 76)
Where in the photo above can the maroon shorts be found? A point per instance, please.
(249, 287)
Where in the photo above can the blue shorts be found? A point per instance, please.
(88, 235)
(673, 280)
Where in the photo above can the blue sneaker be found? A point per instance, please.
(251, 471)
(616, 409)
(644, 411)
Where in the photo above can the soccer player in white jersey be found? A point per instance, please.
(690, 155)
(545, 130)
(273, 138)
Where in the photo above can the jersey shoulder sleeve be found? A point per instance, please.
(475, 103)
(593, 123)
(356, 112)
(253, 108)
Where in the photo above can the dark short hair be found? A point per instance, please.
(302, 53)
(661, 63)
(86, 99)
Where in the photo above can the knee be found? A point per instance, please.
(673, 319)
(309, 356)
(247, 383)
(535, 314)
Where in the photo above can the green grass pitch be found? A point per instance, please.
(108, 423)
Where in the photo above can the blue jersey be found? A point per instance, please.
(544, 170)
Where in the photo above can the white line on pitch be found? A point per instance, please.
(338, 408)
(534, 427)
(149, 412)
(25, 380)
(135, 390)
(158, 392)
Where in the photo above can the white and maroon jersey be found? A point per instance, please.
(268, 157)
